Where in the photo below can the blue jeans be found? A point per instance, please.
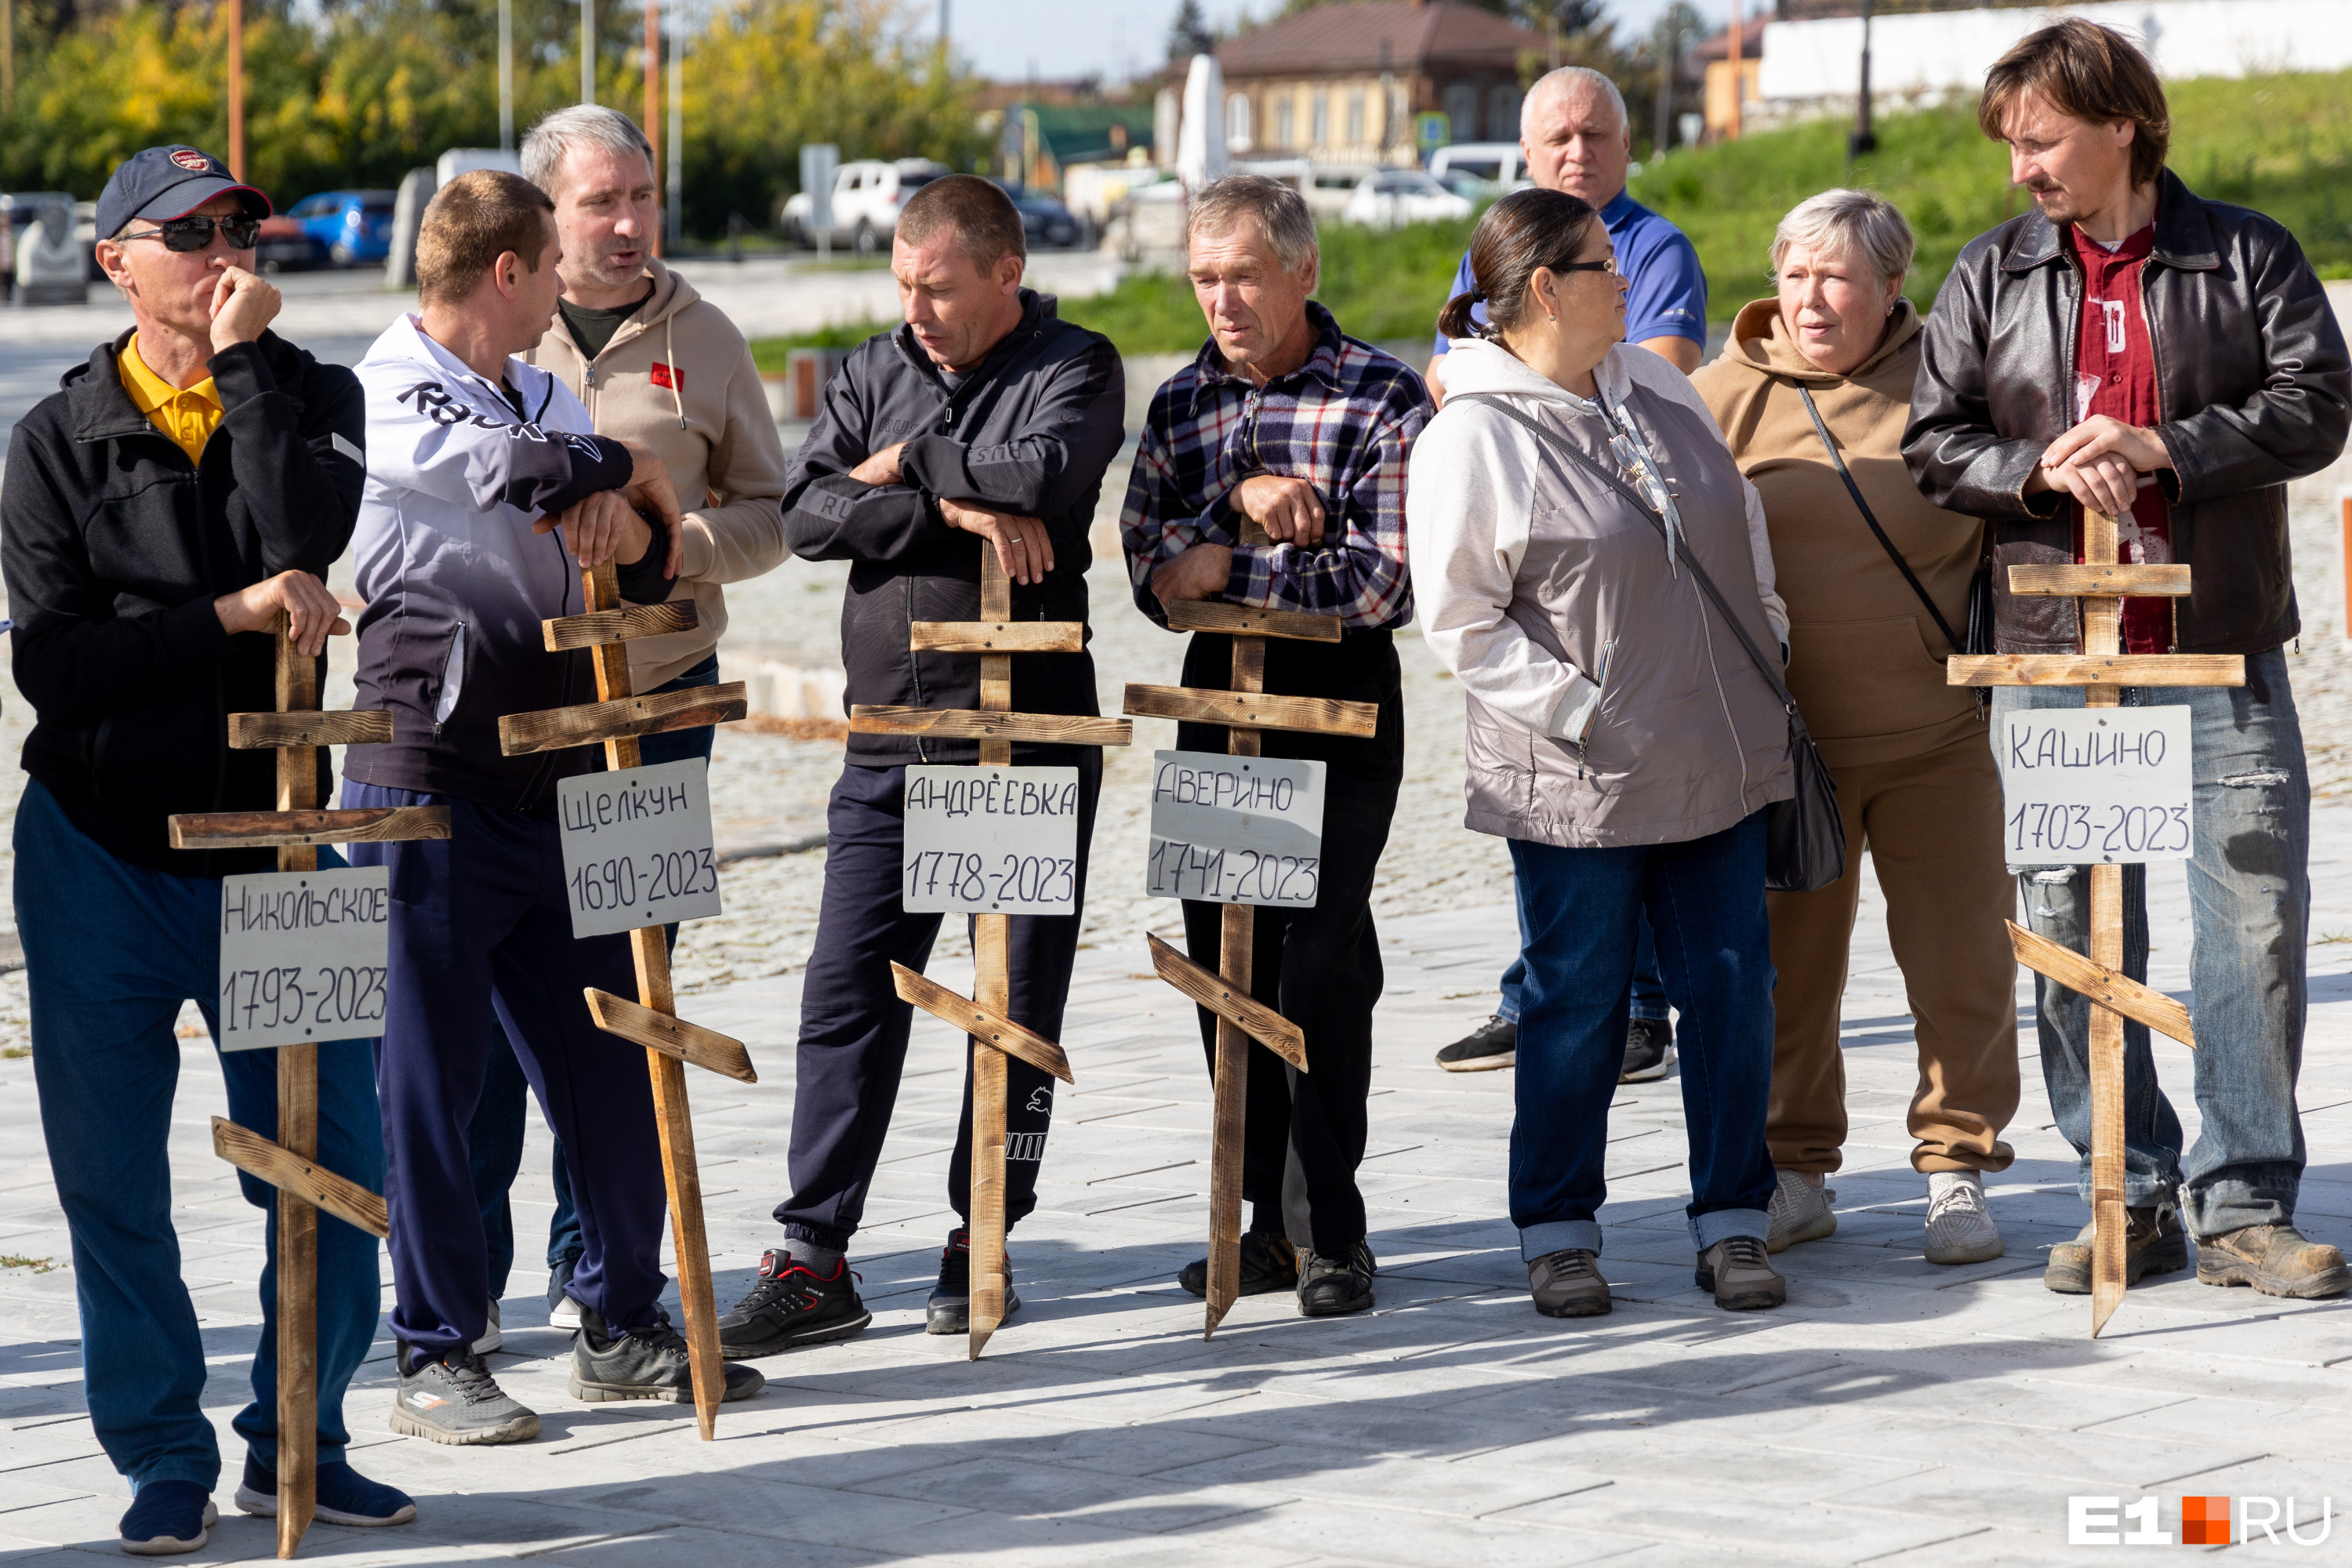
(1647, 996)
(2250, 913)
(495, 1137)
(112, 950)
(1578, 911)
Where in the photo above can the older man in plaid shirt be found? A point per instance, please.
(1286, 422)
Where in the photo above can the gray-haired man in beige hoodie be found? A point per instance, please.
(655, 364)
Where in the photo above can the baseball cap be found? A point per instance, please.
(161, 184)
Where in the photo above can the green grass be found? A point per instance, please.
(1380, 285)
(2282, 145)
(18, 1260)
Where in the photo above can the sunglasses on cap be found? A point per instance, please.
(192, 234)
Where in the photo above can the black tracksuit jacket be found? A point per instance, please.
(114, 546)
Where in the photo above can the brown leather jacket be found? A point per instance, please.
(2251, 377)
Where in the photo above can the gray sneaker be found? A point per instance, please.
(493, 1338)
(651, 1363)
(1959, 1227)
(1741, 1276)
(1567, 1284)
(456, 1400)
(1799, 1211)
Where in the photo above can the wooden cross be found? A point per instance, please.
(652, 1020)
(2102, 670)
(996, 636)
(296, 732)
(1244, 710)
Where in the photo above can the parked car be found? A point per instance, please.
(866, 197)
(1397, 196)
(345, 228)
(1328, 186)
(283, 243)
(1497, 165)
(49, 246)
(1044, 218)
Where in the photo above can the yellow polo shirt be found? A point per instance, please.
(187, 418)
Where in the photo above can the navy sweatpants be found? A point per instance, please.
(854, 1028)
(478, 922)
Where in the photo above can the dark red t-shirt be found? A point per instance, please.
(2115, 374)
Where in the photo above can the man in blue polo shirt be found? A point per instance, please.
(1575, 136)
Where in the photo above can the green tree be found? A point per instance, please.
(1190, 34)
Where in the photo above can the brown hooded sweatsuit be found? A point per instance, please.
(1916, 775)
(679, 377)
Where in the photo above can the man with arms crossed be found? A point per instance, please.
(982, 424)
(485, 496)
(184, 489)
(656, 364)
(1287, 422)
(2132, 348)
(1576, 138)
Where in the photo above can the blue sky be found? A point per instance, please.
(1008, 39)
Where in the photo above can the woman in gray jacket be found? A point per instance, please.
(1620, 737)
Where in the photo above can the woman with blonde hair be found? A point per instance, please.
(1591, 565)
(1812, 393)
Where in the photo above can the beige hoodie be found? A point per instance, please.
(710, 425)
(1867, 669)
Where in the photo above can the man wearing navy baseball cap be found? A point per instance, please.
(177, 494)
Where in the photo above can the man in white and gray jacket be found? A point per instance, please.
(486, 497)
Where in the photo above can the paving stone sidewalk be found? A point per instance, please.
(1893, 1411)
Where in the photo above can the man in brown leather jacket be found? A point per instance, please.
(2132, 348)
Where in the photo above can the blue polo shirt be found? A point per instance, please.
(1668, 298)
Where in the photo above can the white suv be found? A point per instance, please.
(866, 197)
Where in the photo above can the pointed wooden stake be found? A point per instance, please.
(600, 590)
(992, 988)
(298, 1134)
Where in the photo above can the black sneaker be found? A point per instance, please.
(342, 1496)
(1269, 1263)
(788, 1306)
(651, 1363)
(454, 1399)
(1335, 1287)
(949, 1311)
(168, 1517)
(1649, 1050)
(1493, 1044)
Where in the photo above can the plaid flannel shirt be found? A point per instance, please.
(1345, 421)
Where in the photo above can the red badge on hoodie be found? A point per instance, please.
(670, 378)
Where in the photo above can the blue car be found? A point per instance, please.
(346, 227)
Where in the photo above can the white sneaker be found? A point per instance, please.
(1959, 1227)
(493, 1336)
(1799, 1211)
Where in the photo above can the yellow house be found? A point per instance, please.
(1342, 83)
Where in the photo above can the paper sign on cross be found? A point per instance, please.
(296, 732)
(996, 636)
(2102, 670)
(1244, 710)
(652, 1020)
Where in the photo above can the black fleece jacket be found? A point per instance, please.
(115, 545)
(1029, 431)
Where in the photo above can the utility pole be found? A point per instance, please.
(506, 76)
(1739, 25)
(587, 51)
(653, 96)
(1670, 47)
(943, 24)
(1864, 140)
(676, 216)
(236, 89)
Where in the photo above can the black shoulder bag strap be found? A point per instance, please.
(1690, 558)
(1862, 506)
